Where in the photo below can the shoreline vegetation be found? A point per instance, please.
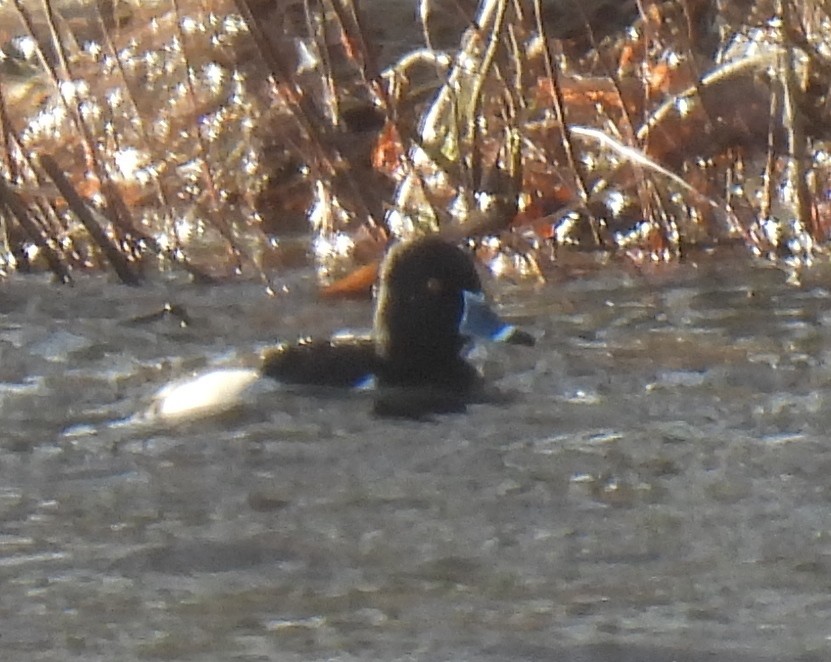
(236, 138)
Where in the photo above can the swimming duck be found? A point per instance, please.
(429, 305)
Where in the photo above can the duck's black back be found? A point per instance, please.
(322, 362)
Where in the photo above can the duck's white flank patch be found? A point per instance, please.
(209, 393)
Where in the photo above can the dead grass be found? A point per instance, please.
(227, 137)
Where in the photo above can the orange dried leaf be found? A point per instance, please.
(629, 55)
(656, 241)
(538, 214)
(659, 77)
(578, 93)
(88, 187)
(356, 285)
(388, 149)
(653, 16)
(821, 221)
(352, 47)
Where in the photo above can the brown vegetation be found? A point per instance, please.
(229, 136)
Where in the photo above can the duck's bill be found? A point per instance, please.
(480, 321)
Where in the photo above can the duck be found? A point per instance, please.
(430, 305)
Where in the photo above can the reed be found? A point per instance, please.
(232, 138)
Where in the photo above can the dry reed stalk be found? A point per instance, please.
(116, 258)
(18, 208)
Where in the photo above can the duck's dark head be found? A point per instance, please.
(427, 294)
(421, 301)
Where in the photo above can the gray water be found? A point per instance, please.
(655, 488)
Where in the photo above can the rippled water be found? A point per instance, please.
(657, 489)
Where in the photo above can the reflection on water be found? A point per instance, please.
(657, 488)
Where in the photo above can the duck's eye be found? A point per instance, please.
(434, 285)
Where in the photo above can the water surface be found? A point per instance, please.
(655, 489)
